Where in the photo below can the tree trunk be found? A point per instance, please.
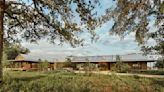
(2, 8)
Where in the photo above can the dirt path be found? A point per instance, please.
(123, 74)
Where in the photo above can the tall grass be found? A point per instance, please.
(70, 82)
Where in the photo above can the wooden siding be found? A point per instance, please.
(27, 65)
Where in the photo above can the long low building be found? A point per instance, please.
(135, 61)
(24, 62)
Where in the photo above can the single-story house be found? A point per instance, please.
(134, 60)
(25, 62)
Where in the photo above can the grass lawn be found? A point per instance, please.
(58, 81)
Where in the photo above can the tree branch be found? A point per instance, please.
(15, 18)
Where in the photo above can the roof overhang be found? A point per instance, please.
(115, 61)
(24, 61)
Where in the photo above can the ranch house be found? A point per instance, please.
(25, 62)
(134, 60)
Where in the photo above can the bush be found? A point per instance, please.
(160, 64)
(69, 64)
(43, 65)
(120, 67)
(153, 72)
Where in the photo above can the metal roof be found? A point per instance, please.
(29, 57)
(112, 58)
(26, 58)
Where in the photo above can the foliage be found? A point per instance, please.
(12, 50)
(49, 19)
(152, 72)
(138, 16)
(43, 65)
(88, 66)
(5, 61)
(118, 58)
(69, 64)
(60, 65)
(70, 82)
(160, 64)
(120, 66)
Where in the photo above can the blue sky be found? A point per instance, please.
(105, 45)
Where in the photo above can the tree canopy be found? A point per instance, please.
(14, 49)
(64, 19)
(50, 19)
(160, 64)
(136, 16)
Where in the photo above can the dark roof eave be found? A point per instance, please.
(122, 61)
(23, 61)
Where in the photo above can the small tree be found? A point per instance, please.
(43, 65)
(87, 66)
(14, 49)
(70, 64)
(40, 65)
(160, 64)
(120, 66)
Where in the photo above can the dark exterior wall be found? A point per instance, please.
(111, 65)
(143, 65)
(108, 65)
(34, 65)
(27, 65)
(138, 65)
(103, 65)
(133, 65)
(30, 65)
(51, 66)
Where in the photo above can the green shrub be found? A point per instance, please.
(160, 64)
(120, 67)
(153, 72)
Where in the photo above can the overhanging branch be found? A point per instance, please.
(15, 18)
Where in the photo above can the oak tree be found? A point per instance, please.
(137, 16)
(48, 19)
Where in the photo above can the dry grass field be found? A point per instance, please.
(62, 81)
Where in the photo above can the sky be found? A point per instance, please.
(106, 44)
